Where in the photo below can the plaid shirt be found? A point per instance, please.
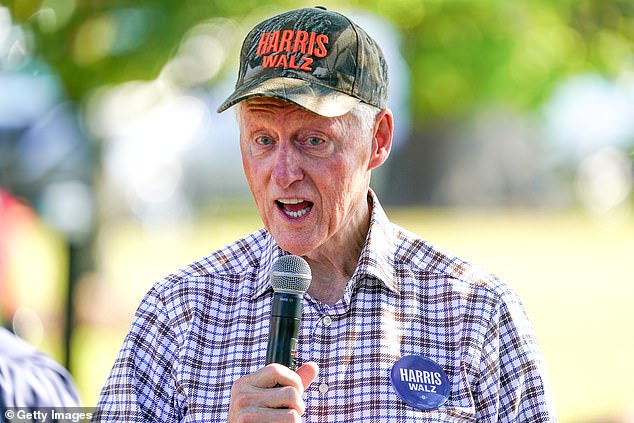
(30, 378)
(200, 329)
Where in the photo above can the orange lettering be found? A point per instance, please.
(291, 63)
(262, 44)
(282, 62)
(268, 61)
(311, 43)
(305, 66)
(274, 42)
(300, 40)
(285, 41)
(321, 40)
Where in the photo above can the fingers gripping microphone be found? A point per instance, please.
(290, 278)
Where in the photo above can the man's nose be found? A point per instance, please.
(287, 167)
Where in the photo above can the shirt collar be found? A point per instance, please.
(376, 260)
(270, 253)
(377, 256)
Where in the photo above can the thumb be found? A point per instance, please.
(308, 373)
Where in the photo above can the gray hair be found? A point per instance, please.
(366, 114)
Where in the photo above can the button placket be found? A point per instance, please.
(324, 345)
(316, 347)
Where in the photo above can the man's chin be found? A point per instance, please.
(293, 243)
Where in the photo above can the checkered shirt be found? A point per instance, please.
(200, 329)
(31, 379)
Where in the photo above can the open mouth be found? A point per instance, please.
(294, 207)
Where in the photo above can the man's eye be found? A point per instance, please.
(264, 140)
(315, 141)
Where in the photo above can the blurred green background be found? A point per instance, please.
(513, 148)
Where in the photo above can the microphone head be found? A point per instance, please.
(290, 274)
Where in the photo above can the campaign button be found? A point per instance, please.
(420, 382)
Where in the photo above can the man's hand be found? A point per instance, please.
(272, 394)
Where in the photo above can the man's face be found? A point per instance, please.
(309, 174)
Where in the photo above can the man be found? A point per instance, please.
(393, 329)
(29, 378)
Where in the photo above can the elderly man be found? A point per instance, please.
(393, 329)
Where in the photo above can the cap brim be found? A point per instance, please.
(314, 97)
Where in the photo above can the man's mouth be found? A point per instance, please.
(294, 207)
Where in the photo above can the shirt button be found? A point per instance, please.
(323, 388)
(327, 321)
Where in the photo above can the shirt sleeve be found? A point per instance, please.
(29, 378)
(514, 385)
(141, 386)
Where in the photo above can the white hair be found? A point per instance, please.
(366, 114)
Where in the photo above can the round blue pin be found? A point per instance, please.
(420, 382)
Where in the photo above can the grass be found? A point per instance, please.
(572, 271)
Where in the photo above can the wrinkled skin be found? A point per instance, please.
(309, 176)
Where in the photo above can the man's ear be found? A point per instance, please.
(382, 141)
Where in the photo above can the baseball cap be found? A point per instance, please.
(315, 58)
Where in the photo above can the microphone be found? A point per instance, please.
(290, 278)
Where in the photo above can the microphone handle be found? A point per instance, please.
(286, 312)
(282, 341)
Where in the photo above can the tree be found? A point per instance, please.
(462, 53)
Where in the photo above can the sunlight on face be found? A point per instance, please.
(309, 174)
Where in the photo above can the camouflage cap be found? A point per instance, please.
(315, 58)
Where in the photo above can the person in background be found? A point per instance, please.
(394, 329)
(29, 378)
